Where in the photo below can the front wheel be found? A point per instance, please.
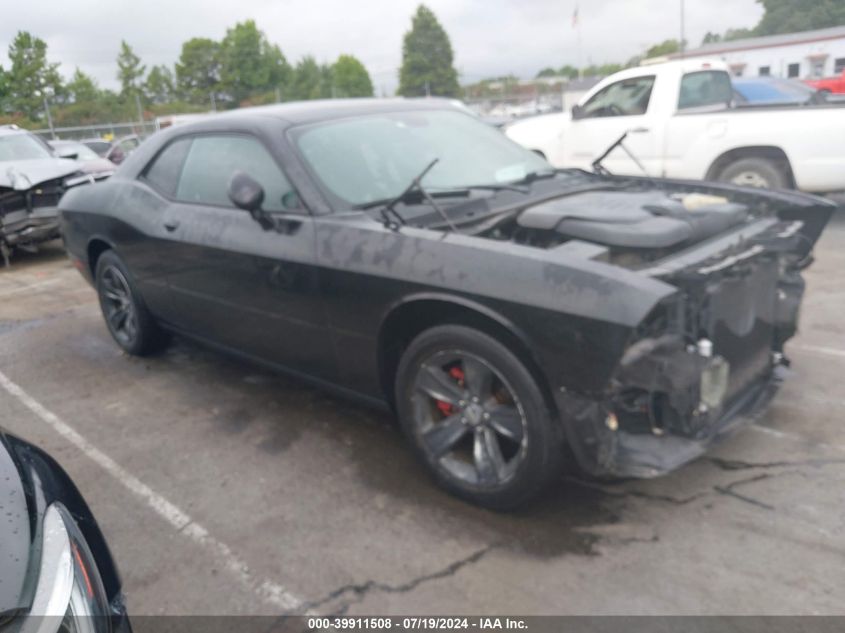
(127, 318)
(476, 417)
(762, 173)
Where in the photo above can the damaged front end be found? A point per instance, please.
(705, 361)
(29, 212)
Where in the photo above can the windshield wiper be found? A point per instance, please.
(467, 188)
(537, 175)
(392, 219)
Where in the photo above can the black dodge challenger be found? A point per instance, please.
(406, 253)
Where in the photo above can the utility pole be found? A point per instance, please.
(140, 110)
(213, 102)
(427, 88)
(683, 39)
(49, 118)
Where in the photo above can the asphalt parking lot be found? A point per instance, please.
(224, 489)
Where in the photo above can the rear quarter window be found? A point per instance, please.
(705, 88)
(164, 170)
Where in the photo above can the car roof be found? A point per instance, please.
(7, 130)
(299, 112)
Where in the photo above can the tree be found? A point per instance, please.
(4, 89)
(31, 78)
(667, 47)
(159, 84)
(249, 64)
(350, 78)
(427, 59)
(787, 16)
(129, 70)
(198, 70)
(82, 88)
(310, 80)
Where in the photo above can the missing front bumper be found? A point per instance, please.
(621, 452)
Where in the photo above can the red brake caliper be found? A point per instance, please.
(458, 374)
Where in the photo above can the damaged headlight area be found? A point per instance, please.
(704, 362)
(69, 594)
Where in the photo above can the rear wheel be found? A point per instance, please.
(127, 318)
(763, 173)
(476, 417)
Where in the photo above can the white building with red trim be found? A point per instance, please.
(804, 55)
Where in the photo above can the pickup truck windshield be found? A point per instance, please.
(374, 157)
(22, 147)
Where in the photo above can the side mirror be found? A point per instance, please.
(245, 192)
(577, 112)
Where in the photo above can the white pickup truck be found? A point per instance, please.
(682, 122)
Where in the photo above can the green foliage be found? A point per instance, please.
(249, 63)
(602, 71)
(667, 47)
(129, 70)
(242, 69)
(350, 77)
(31, 77)
(82, 88)
(788, 16)
(198, 70)
(310, 80)
(427, 59)
(4, 88)
(158, 86)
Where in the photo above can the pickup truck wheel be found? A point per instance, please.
(476, 417)
(127, 318)
(763, 173)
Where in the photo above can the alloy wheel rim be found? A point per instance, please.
(750, 179)
(468, 419)
(118, 306)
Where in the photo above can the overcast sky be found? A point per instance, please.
(490, 37)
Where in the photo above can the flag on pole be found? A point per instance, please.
(575, 17)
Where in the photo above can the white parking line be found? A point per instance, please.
(816, 349)
(30, 287)
(273, 593)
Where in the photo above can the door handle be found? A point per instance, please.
(171, 225)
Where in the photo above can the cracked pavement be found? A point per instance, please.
(322, 497)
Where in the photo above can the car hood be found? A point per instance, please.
(17, 529)
(25, 174)
(97, 166)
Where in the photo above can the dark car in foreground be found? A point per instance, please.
(56, 571)
(408, 254)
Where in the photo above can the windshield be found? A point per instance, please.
(375, 157)
(22, 147)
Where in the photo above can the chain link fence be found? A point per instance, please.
(109, 131)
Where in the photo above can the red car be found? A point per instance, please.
(834, 85)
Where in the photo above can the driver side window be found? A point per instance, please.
(629, 97)
(213, 159)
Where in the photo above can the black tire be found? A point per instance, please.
(501, 473)
(752, 171)
(127, 317)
